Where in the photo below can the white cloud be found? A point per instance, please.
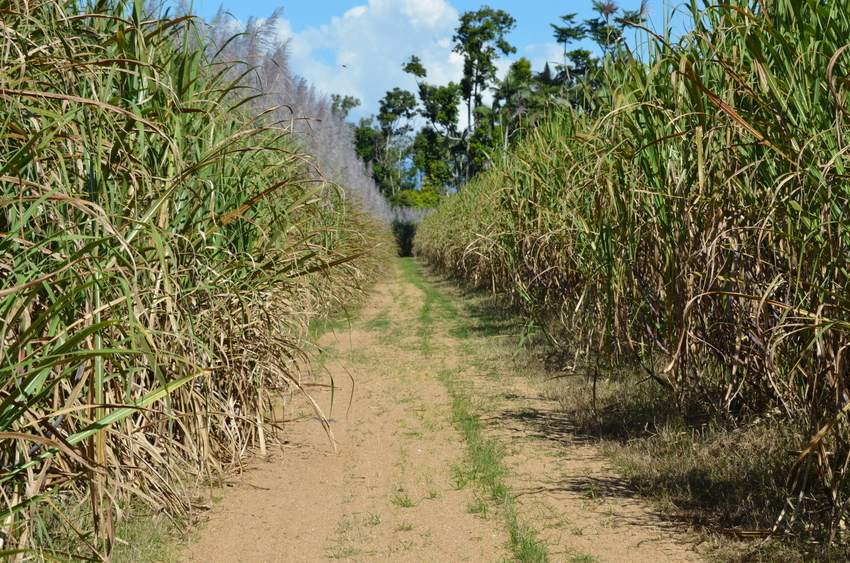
(541, 53)
(373, 41)
(360, 53)
(356, 12)
(425, 13)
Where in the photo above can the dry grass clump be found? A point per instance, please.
(164, 246)
(724, 476)
(695, 230)
(728, 480)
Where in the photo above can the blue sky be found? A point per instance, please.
(373, 38)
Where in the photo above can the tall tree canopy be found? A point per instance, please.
(480, 38)
(443, 153)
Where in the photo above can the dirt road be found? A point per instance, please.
(394, 490)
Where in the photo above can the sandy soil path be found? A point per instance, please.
(389, 493)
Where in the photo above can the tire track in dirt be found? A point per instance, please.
(389, 493)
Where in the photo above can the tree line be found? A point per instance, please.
(416, 147)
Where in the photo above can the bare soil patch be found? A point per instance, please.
(391, 492)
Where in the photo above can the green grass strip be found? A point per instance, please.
(433, 298)
(486, 467)
(487, 470)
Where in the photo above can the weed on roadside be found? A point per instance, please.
(404, 501)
